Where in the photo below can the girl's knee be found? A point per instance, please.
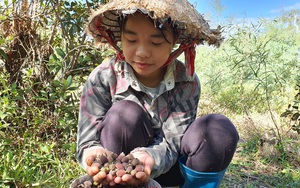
(216, 125)
(121, 125)
(126, 112)
(210, 142)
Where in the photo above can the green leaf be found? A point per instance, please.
(4, 85)
(9, 157)
(44, 93)
(40, 98)
(3, 54)
(64, 83)
(57, 83)
(53, 58)
(2, 134)
(69, 80)
(60, 52)
(72, 88)
(2, 40)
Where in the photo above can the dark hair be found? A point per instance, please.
(173, 27)
(122, 21)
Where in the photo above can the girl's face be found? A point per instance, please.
(146, 49)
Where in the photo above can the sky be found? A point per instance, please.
(251, 9)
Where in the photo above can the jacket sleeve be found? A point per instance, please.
(94, 103)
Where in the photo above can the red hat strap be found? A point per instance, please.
(189, 49)
(106, 34)
(109, 37)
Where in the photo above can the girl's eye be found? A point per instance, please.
(157, 43)
(131, 41)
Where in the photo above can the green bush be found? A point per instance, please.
(253, 67)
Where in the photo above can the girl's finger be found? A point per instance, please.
(140, 175)
(93, 170)
(126, 178)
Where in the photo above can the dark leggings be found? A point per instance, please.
(209, 143)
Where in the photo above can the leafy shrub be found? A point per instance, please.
(43, 63)
(255, 59)
(293, 111)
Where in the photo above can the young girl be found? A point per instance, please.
(144, 101)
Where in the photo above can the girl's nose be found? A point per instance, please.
(143, 50)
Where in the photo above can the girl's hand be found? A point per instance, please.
(92, 169)
(140, 177)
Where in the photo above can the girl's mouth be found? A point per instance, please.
(142, 65)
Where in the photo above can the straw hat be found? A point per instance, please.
(105, 25)
(189, 22)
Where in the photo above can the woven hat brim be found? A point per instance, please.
(190, 23)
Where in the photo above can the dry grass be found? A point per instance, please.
(257, 161)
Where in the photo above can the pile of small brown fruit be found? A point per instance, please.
(115, 166)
